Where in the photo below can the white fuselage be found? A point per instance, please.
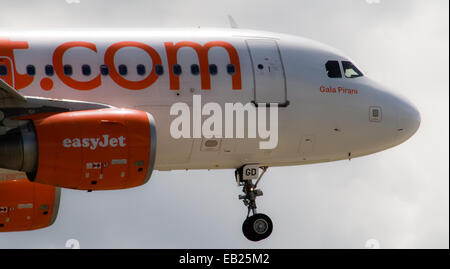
(320, 119)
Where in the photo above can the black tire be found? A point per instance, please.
(257, 227)
(247, 231)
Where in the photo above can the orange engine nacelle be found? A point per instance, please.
(100, 149)
(27, 206)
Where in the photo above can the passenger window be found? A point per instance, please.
(333, 69)
(213, 69)
(140, 68)
(68, 70)
(159, 70)
(177, 69)
(3, 70)
(231, 69)
(104, 70)
(350, 71)
(123, 70)
(86, 70)
(31, 70)
(195, 69)
(49, 70)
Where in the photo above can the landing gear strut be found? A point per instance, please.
(256, 226)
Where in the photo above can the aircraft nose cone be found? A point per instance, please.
(408, 120)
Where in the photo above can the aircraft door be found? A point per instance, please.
(268, 72)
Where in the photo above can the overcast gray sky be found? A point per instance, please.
(399, 197)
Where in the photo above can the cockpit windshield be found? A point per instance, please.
(350, 70)
(333, 69)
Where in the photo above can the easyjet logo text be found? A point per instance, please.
(171, 52)
(93, 143)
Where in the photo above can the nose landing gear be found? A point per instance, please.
(256, 226)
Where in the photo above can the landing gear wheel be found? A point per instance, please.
(257, 227)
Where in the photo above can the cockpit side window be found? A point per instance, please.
(333, 69)
(350, 70)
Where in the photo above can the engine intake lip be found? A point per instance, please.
(152, 157)
(30, 148)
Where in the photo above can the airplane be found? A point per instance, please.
(101, 109)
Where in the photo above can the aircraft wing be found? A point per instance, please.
(13, 104)
(8, 95)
